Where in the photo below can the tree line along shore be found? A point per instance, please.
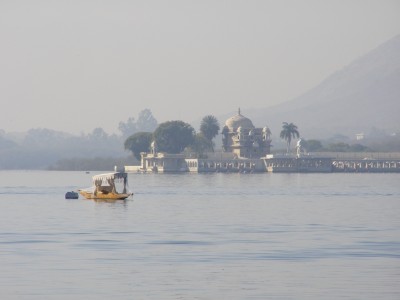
(42, 148)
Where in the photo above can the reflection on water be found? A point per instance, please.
(114, 201)
(215, 236)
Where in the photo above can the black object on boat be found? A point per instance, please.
(71, 195)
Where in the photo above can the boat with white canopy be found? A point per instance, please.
(110, 186)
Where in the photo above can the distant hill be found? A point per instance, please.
(364, 95)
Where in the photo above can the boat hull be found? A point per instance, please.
(104, 196)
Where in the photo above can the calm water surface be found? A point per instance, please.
(216, 236)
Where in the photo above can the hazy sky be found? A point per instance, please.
(76, 65)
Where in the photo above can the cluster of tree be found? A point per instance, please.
(178, 136)
(92, 164)
(389, 143)
(41, 148)
(175, 137)
(290, 131)
(145, 123)
(317, 146)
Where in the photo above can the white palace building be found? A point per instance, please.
(243, 140)
(245, 149)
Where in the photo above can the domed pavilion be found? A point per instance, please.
(243, 139)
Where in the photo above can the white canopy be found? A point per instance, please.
(110, 176)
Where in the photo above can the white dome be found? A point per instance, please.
(233, 123)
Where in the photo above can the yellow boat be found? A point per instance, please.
(106, 186)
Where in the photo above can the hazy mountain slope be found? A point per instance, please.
(363, 95)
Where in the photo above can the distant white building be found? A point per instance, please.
(243, 139)
(244, 147)
(360, 136)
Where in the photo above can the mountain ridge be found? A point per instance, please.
(364, 94)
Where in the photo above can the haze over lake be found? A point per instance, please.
(74, 73)
(214, 236)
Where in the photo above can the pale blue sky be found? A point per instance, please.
(77, 65)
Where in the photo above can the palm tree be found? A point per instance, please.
(209, 127)
(288, 132)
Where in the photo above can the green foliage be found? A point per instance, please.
(359, 148)
(138, 142)
(344, 147)
(98, 134)
(127, 128)
(385, 144)
(145, 123)
(201, 145)
(209, 127)
(6, 143)
(174, 136)
(312, 145)
(91, 164)
(42, 137)
(289, 131)
(339, 147)
(40, 147)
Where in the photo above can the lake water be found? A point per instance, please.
(214, 236)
